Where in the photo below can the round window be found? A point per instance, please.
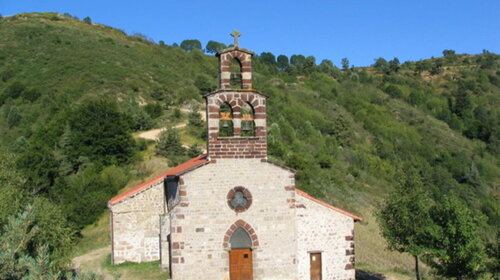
(239, 199)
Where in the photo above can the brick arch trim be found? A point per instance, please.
(235, 54)
(248, 228)
(236, 103)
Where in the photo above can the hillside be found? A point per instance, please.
(350, 133)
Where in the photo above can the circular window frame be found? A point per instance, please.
(246, 194)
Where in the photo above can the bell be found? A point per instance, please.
(246, 126)
(225, 124)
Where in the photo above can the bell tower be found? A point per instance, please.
(236, 113)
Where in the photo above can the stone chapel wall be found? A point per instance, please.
(136, 223)
(321, 229)
(202, 218)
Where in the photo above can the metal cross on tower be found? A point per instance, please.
(235, 34)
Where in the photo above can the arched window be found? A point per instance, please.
(235, 79)
(225, 120)
(247, 120)
(240, 239)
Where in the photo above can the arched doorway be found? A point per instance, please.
(240, 239)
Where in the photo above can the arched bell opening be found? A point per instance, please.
(247, 120)
(225, 120)
(235, 80)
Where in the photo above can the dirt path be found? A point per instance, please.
(153, 134)
(92, 261)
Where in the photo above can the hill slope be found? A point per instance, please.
(350, 133)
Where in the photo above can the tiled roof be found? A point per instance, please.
(306, 195)
(179, 169)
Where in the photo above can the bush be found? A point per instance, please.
(394, 91)
(154, 110)
(169, 144)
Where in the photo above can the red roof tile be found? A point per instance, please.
(181, 168)
(306, 195)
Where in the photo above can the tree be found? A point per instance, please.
(297, 60)
(11, 182)
(169, 143)
(309, 64)
(214, 47)
(268, 57)
(87, 20)
(345, 63)
(282, 62)
(190, 45)
(394, 65)
(13, 117)
(194, 118)
(100, 132)
(22, 257)
(381, 65)
(458, 250)
(194, 151)
(448, 53)
(404, 217)
(13, 91)
(394, 91)
(154, 110)
(204, 83)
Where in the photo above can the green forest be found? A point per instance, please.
(74, 94)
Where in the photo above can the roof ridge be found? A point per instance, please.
(174, 171)
(321, 202)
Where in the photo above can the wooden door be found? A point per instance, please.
(240, 264)
(315, 266)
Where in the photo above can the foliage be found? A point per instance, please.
(282, 62)
(99, 131)
(345, 63)
(169, 143)
(404, 217)
(22, 257)
(214, 47)
(190, 45)
(204, 83)
(458, 251)
(194, 118)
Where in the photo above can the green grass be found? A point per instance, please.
(94, 236)
(124, 271)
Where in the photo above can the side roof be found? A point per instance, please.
(341, 211)
(178, 170)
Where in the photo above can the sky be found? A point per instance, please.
(360, 30)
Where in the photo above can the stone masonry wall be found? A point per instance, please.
(202, 219)
(321, 229)
(136, 223)
(236, 146)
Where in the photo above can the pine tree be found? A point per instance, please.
(169, 143)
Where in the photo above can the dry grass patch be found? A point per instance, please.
(372, 253)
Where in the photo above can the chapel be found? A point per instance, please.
(232, 213)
